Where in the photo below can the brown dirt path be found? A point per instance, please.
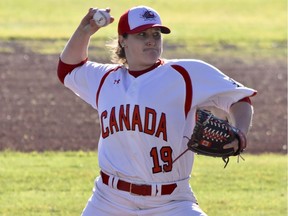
(38, 113)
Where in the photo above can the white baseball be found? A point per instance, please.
(101, 17)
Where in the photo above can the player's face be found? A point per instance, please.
(143, 49)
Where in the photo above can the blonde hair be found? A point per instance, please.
(118, 55)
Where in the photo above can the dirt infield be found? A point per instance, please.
(38, 113)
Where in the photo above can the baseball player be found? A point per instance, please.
(146, 107)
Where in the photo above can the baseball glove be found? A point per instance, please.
(216, 137)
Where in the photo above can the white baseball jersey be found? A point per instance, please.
(145, 120)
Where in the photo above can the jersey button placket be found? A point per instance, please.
(133, 92)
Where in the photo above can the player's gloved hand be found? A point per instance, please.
(216, 137)
(239, 144)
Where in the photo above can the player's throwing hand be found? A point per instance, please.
(88, 22)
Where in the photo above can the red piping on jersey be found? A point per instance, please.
(63, 69)
(188, 85)
(102, 82)
(246, 99)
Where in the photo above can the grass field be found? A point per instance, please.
(59, 183)
(232, 24)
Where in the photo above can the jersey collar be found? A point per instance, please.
(139, 73)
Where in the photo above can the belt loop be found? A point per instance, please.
(115, 182)
(110, 181)
(154, 189)
(158, 189)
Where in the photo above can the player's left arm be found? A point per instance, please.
(241, 114)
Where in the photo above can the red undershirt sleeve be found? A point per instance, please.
(246, 99)
(64, 69)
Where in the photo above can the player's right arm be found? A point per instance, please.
(76, 49)
(75, 53)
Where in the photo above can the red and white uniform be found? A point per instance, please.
(145, 117)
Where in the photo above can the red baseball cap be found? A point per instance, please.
(138, 19)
